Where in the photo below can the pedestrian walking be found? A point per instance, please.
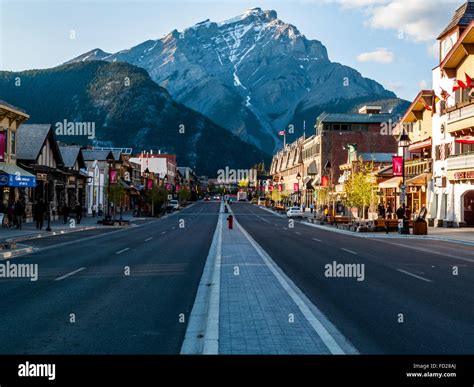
(3, 210)
(94, 210)
(311, 207)
(11, 215)
(400, 213)
(389, 211)
(66, 213)
(18, 211)
(40, 209)
(303, 207)
(381, 211)
(78, 213)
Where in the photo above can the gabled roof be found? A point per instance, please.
(10, 111)
(463, 47)
(96, 154)
(462, 17)
(71, 154)
(30, 141)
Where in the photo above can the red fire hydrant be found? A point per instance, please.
(230, 220)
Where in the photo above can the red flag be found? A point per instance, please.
(281, 133)
(468, 81)
(458, 85)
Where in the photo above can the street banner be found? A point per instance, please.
(149, 184)
(324, 181)
(280, 187)
(2, 146)
(397, 165)
(113, 176)
(296, 187)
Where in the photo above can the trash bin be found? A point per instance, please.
(420, 227)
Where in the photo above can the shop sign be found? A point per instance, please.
(464, 175)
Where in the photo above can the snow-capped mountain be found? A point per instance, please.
(253, 74)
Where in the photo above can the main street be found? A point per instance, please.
(83, 274)
(84, 301)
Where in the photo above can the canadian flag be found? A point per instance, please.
(468, 81)
(458, 85)
(282, 133)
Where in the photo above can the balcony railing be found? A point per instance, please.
(417, 167)
(460, 112)
(463, 161)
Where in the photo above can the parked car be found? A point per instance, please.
(174, 205)
(217, 197)
(294, 212)
(207, 198)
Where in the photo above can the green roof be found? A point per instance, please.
(355, 118)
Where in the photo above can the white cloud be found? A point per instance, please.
(433, 50)
(395, 86)
(382, 55)
(360, 3)
(423, 84)
(416, 20)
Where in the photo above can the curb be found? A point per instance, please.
(15, 252)
(378, 236)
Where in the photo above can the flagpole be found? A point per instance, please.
(284, 140)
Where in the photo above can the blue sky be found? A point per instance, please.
(391, 41)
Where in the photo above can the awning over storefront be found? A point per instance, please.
(13, 176)
(468, 140)
(419, 180)
(312, 168)
(394, 182)
(420, 145)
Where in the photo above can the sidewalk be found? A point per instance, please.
(454, 235)
(29, 229)
(261, 311)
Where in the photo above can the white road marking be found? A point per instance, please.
(414, 275)
(149, 239)
(317, 240)
(69, 274)
(173, 228)
(297, 233)
(123, 251)
(163, 233)
(349, 251)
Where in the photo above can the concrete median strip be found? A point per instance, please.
(202, 333)
(321, 325)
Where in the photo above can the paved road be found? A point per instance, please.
(415, 280)
(84, 274)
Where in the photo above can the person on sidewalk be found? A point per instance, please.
(400, 213)
(311, 207)
(78, 213)
(94, 210)
(389, 211)
(11, 215)
(19, 210)
(40, 210)
(65, 213)
(3, 211)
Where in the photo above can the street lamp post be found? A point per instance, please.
(403, 143)
(298, 177)
(146, 174)
(109, 160)
(48, 206)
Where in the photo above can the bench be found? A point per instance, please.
(381, 224)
